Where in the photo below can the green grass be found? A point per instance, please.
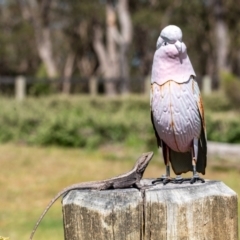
(31, 176)
(82, 121)
(105, 136)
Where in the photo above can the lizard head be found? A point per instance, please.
(143, 162)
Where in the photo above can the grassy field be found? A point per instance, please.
(31, 176)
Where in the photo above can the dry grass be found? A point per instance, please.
(31, 176)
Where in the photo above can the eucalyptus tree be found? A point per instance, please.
(38, 12)
(113, 55)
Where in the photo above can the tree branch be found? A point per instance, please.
(100, 49)
(125, 21)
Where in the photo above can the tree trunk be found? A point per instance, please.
(112, 71)
(45, 50)
(113, 59)
(222, 38)
(126, 38)
(38, 12)
(222, 44)
(67, 73)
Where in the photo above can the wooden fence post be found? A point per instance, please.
(93, 86)
(113, 214)
(197, 212)
(206, 85)
(20, 88)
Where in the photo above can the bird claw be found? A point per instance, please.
(195, 179)
(167, 180)
(192, 180)
(158, 180)
(164, 179)
(178, 180)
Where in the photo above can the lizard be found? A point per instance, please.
(127, 180)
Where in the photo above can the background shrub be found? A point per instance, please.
(91, 122)
(231, 86)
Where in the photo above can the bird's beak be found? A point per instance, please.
(178, 45)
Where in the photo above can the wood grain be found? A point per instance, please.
(102, 215)
(196, 212)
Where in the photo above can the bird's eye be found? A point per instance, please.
(165, 43)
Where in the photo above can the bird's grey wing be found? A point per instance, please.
(155, 131)
(202, 152)
(160, 143)
(202, 143)
(182, 162)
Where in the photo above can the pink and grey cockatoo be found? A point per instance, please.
(176, 108)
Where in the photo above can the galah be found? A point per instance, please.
(176, 108)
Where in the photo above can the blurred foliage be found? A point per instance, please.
(231, 86)
(40, 89)
(217, 102)
(91, 122)
(41, 72)
(71, 25)
(223, 127)
(18, 53)
(79, 122)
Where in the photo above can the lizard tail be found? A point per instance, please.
(45, 211)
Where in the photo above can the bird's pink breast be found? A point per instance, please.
(175, 114)
(169, 64)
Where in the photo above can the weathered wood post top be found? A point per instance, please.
(201, 211)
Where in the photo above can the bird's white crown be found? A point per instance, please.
(171, 34)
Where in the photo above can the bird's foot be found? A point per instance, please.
(164, 179)
(179, 180)
(196, 178)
